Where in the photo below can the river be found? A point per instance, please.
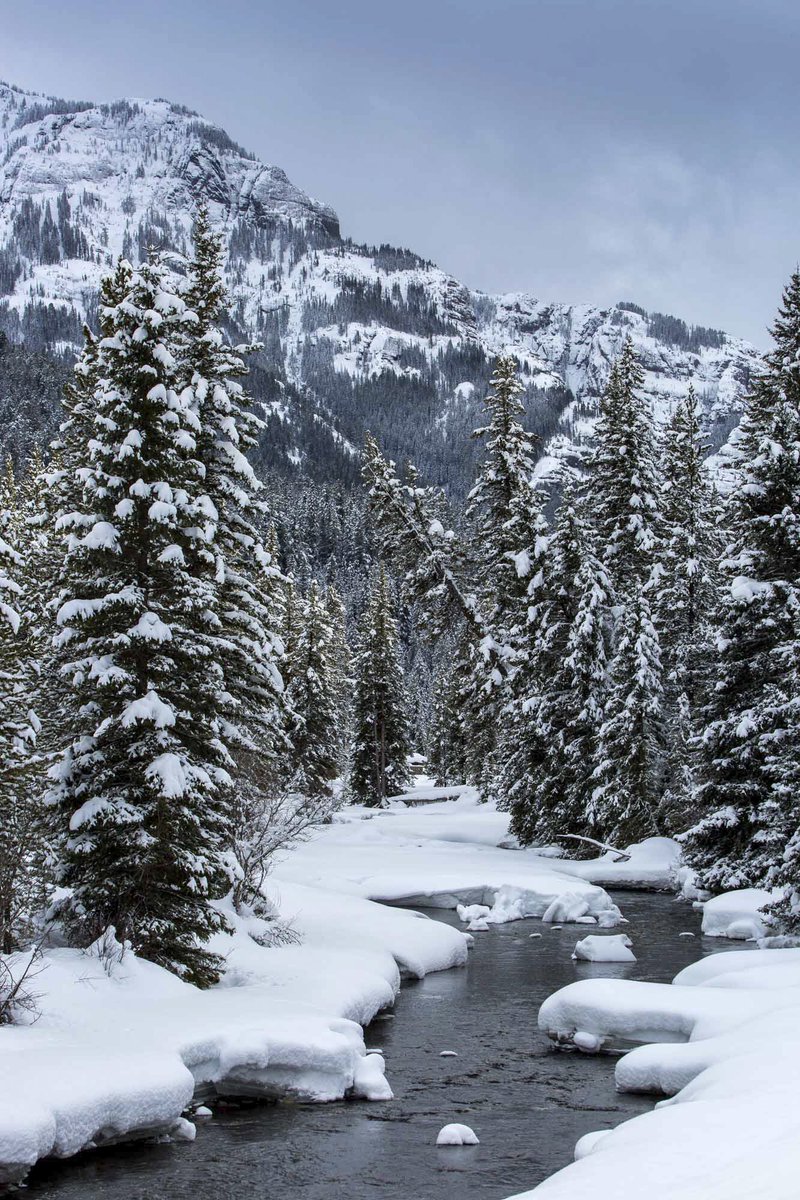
(528, 1102)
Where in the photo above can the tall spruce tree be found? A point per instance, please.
(246, 577)
(507, 535)
(630, 774)
(381, 744)
(748, 771)
(140, 793)
(553, 749)
(624, 478)
(21, 881)
(315, 697)
(624, 494)
(684, 590)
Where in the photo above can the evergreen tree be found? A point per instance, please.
(246, 576)
(685, 594)
(509, 533)
(140, 794)
(21, 881)
(553, 740)
(314, 695)
(624, 495)
(623, 474)
(630, 773)
(749, 761)
(341, 677)
(381, 747)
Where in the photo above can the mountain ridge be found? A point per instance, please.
(352, 335)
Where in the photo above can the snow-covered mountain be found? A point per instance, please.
(353, 336)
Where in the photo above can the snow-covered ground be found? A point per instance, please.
(723, 1044)
(121, 1046)
(459, 852)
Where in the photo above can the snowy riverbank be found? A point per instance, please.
(722, 1043)
(121, 1046)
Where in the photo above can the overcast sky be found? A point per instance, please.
(581, 150)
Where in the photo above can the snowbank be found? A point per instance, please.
(737, 915)
(444, 855)
(726, 1053)
(122, 1046)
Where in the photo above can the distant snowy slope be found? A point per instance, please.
(353, 336)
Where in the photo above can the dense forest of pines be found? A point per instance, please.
(197, 664)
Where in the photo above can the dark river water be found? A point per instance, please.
(528, 1102)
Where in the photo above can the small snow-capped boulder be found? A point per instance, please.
(448, 1054)
(369, 1080)
(183, 1130)
(472, 912)
(611, 948)
(566, 907)
(610, 917)
(478, 925)
(457, 1135)
(589, 1043)
(203, 1112)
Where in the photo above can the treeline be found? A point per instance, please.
(632, 667)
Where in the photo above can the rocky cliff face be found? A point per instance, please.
(353, 336)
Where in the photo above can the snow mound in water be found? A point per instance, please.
(457, 1135)
(613, 948)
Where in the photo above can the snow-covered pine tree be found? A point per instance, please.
(341, 673)
(411, 528)
(623, 472)
(501, 506)
(630, 774)
(379, 765)
(314, 696)
(21, 874)
(624, 498)
(684, 588)
(553, 753)
(247, 579)
(140, 794)
(508, 534)
(448, 737)
(749, 765)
